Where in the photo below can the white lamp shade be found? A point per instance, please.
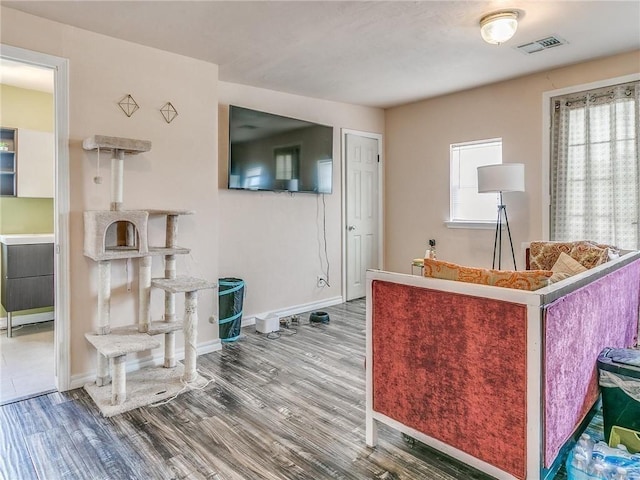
(503, 177)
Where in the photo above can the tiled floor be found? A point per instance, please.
(26, 361)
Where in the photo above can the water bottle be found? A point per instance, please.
(600, 450)
(620, 473)
(579, 462)
(598, 471)
(585, 446)
(597, 467)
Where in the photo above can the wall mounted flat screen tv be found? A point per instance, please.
(275, 153)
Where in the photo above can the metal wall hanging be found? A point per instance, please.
(128, 105)
(169, 112)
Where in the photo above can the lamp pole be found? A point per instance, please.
(497, 242)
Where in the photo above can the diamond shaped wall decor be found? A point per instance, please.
(169, 112)
(128, 105)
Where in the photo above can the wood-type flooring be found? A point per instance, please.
(287, 408)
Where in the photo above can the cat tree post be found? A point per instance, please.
(190, 336)
(171, 238)
(144, 294)
(104, 297)
(102, 374)
(119, 387)
(117, 179)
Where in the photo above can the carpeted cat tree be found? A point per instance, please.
(115, 235)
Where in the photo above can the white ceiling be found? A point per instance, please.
(26, 76)
(369, 53)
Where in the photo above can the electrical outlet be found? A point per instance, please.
(321, 281)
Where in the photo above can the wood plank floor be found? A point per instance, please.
(290, 408)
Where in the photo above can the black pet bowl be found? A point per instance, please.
(319, 317)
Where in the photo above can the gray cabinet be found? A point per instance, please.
(27, 278)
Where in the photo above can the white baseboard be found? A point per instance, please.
(18, 320)
(294, 310)
(135, 364)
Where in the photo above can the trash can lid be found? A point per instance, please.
(624, 361)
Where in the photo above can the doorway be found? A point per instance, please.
(35, 357)
(362, 154)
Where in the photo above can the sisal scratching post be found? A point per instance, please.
(170, 350)
(169, 312)
(102, 375)
(171, 241)
(190, 336)
(172, 231)
(119, 385)
(104, 297)
(117, 179)
(144, 294)
(169, 297)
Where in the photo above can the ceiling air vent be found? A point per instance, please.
(542, 44)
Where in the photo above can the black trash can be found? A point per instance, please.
(230, 297)
(620, 383)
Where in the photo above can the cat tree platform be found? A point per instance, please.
(129, 146)
(145, 387)
(122, 340)
(118, 253)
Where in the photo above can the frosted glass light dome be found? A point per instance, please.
(497, 28)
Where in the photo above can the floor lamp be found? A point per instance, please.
(503, 177)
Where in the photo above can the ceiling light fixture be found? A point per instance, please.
(498, 27)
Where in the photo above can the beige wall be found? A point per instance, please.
(271, 240)
(179, 172)
(417, 160)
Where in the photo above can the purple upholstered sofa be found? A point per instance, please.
(498, 378)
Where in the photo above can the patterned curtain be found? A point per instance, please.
(595, 186)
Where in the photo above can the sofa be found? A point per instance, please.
(499, 378)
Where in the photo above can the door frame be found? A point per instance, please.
(343, 137)
(61, 202)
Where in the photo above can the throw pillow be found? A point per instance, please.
(567, 264)
(526, 280)
(588, 254)
(558, 277)
(542, 255)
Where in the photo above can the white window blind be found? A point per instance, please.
(466, 204)
(594, 166)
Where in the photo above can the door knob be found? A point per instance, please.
(351, 227)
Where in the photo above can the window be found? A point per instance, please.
(466, 204)
(287, 162)
(594, 166)
(253, 178)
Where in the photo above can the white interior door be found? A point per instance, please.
(362, 216)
